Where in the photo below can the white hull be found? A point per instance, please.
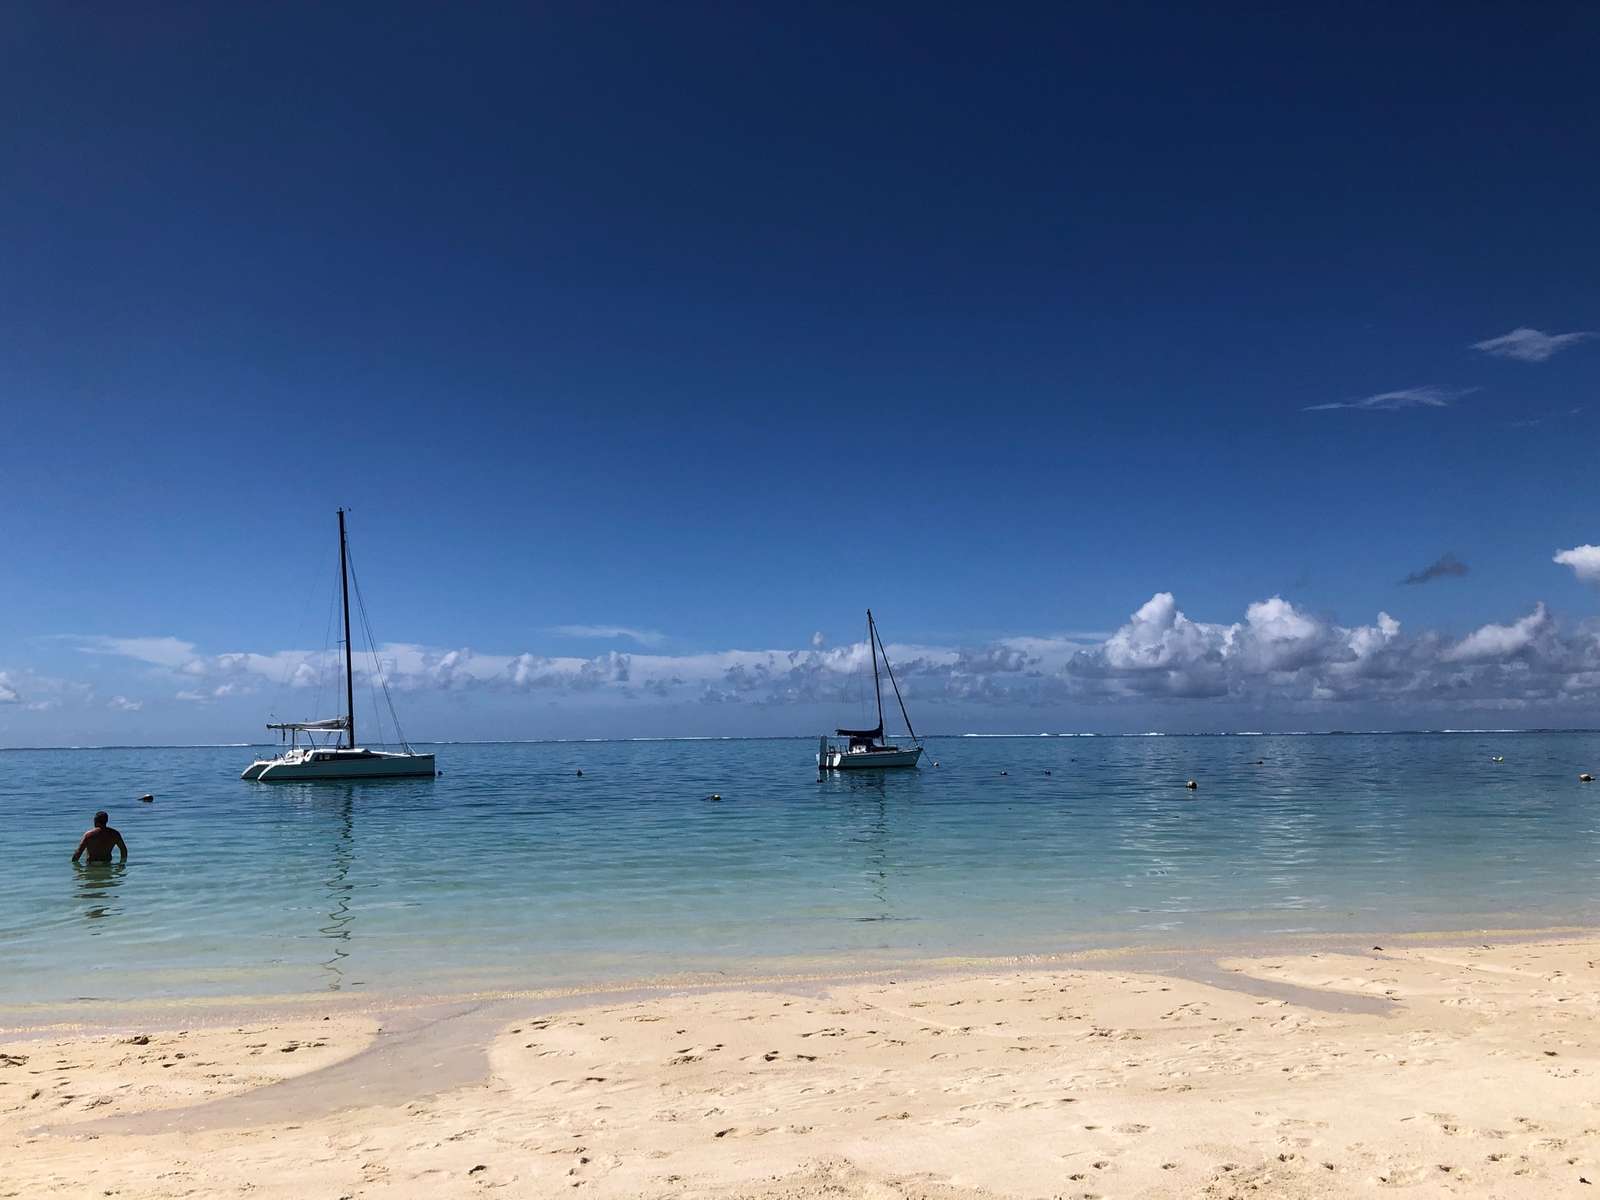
(339, 764)
(846, 760)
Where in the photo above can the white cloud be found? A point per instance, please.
(1428, 396)
(1584, 561)
(1158, 637)
(1367, 641)
(1530, 345)
(158, 651)
(1277, 656)
(123, 704)
(1498, 642)
(221, 691)
(645, 637)
(32, 692)
(818, 640)
(1284, 657)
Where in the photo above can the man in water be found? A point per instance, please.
(100, 841)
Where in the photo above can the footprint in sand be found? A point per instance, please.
(1401, 1177)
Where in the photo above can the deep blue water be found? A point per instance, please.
(513, 870)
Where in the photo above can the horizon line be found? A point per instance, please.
(802, 737)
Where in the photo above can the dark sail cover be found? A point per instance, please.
(861, 734)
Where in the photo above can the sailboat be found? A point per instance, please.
(865, 748)
(344, 759)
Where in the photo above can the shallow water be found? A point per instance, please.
(511, 870)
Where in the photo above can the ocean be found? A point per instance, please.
(513, 871)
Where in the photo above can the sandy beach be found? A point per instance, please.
(1465, 1068)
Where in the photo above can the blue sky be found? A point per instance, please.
(717, 325)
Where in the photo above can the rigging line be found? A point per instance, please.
(861, 681)
(897, 696)
(877, 687)
(306, 610)
(372, 652)
(372, 645)
(377, 670)
(322, 657)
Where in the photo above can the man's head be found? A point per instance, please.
(100, 819)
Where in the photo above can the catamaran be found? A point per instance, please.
(343, 759)
(865, 748)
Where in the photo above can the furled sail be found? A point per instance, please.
(329, 723)
(861, 733)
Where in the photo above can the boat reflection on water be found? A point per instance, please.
(96, 885)
(340, 887)
(865, 821)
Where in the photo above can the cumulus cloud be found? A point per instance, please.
(1428, 396)
(123, 704)
(1283, 656)
(645, 637)
(1444, 567)
(818, 640)
(8, 691)
(1276, 655)
(1162, 652)
(1530, 345)
(1500, 642)
(1584, 561)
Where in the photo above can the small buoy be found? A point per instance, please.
(716, 796)
(580, 772)
(1498, 758)
(147, 799)
(1191, 785)
(1047, 772)
(1585, 778)
(1005, 772)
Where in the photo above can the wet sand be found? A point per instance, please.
(1466, 1068)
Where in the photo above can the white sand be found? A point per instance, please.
(1477, 1077)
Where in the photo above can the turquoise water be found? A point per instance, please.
(511, 870)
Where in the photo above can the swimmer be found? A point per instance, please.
(100, 841)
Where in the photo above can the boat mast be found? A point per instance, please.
(877, 688)
(349, 675)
